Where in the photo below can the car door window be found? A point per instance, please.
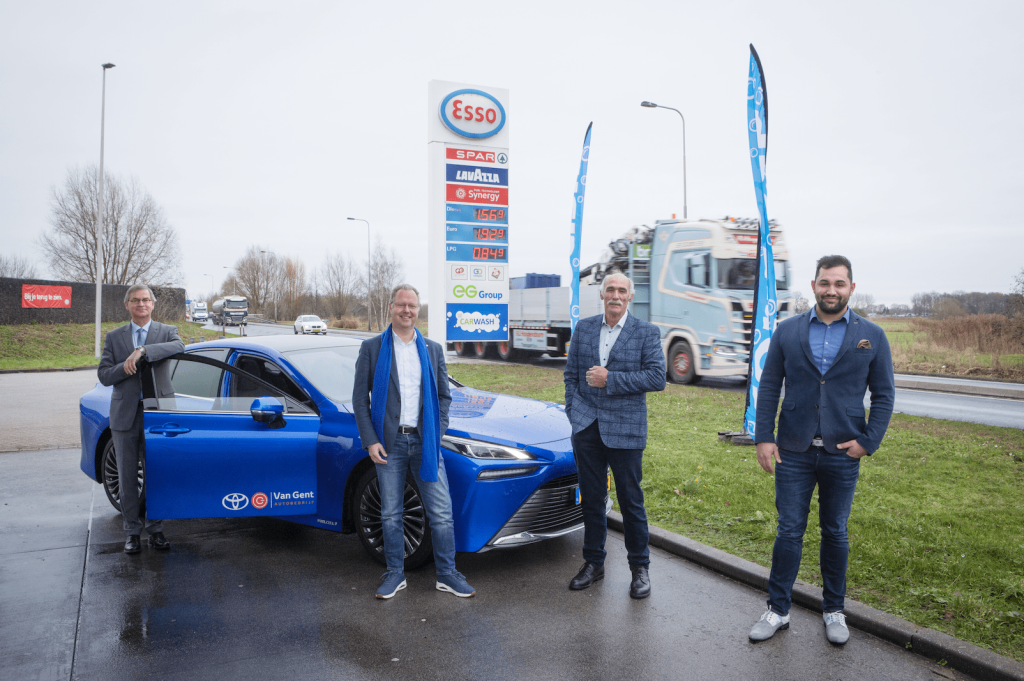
(243, 387)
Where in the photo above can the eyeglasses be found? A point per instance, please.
(136, 301)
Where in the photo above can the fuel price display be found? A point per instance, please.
(474, 234)
(455, 212)
(475, 253)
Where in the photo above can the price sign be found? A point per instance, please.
(474, 253)
(455, 212)
(474, 233)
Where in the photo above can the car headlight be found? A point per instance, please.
(475, 449)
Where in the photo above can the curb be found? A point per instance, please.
(991, 390)
(984, 665)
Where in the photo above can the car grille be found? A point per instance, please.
(550, 509)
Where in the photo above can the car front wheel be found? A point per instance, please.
(111, 480)
(366, 510)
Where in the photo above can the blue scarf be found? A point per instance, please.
(430, 418)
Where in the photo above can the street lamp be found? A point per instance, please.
(275, 288)
(652, 105)
(369, 291)
(99, 225)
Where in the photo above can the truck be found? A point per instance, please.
(198, 312)
(693, 279)
(231, 310)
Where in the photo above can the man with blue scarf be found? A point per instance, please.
(401, 428)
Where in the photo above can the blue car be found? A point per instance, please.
(264, 427)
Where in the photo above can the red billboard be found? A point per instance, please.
(34, 295)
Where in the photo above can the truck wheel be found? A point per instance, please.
(484, 349)
(506, 351)
(680, 363)
(464, 349)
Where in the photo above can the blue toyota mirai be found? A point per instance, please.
(264, 427)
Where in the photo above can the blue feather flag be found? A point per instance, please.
(577, 229)
(762, 323)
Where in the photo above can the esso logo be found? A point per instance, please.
(472, 113)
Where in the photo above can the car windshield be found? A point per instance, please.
(741, 274)
(309, 318)
(332, 370)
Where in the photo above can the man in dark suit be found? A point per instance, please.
(827, 357)
(401, 429)
(123, 349)
(615, 359)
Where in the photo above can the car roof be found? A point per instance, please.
(281, 343)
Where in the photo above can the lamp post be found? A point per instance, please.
(369, 290)
(275, 291)
(652, 105)
(103, 210)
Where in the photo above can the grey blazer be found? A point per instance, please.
(636, 366)
(366, 366)
(161, 342)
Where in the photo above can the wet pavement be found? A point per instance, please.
(266, 599)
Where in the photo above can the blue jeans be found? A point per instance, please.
(593, 459)
(405, 457)
(836, 477)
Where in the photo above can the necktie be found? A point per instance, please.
(140, 337)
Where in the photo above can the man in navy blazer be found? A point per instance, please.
(827, 357)
(614, 360)
(406, 423)
(123, 349)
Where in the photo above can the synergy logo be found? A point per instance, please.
(475, 194)
(472, 113)
(235, 501)
(260, 500)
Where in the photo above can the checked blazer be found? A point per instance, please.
(636, 366)
(863, 363)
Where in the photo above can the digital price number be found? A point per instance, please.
(455, 212)
(490, 234)
(490, 215)
(474, 233)
(485, 253)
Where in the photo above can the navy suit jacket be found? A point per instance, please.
(636, 366)
(838, 396)
(162, 341)
(366, 366)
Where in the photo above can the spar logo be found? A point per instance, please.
(472, 113)
(235, 501)
(260, 500)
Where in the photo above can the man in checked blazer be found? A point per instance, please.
(123, 349)
(615, 359)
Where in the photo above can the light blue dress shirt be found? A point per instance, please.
(609, 334)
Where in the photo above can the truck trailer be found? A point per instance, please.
(230, 310)
(693, 279)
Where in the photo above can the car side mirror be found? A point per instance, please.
(268, 410)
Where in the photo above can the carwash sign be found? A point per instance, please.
(468, 211)
(474, 114)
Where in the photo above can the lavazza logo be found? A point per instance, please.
(477, 175)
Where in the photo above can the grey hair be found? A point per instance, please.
(616, 274)
(404, 287)
(138, 287)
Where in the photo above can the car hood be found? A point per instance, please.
(505, 419)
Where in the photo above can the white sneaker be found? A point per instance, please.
(769, 623)
(835, 628)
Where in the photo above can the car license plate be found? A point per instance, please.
(576, 495)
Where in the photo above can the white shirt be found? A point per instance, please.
(609, 334)
(410, 378)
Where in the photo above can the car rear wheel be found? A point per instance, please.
(111, 480)
(366, 511)
(680, 363)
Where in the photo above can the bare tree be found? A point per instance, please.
(800, 304)
(862, 302)
(1015, 301)
(387, 271)
(257, 273)
(291, 286)
(16, 267)
(338, 281)
(139, 244)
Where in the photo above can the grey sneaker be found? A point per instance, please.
(392, 583)
(456, 584)
(769, 623)
(835, 628)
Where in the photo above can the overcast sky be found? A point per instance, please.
(894, 127)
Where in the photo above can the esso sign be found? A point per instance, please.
(472, 113)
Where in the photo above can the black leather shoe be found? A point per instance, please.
(159, 542)
(132, 545)
(588, 574)
(640, 587)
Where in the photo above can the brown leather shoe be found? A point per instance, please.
(159, 542)
(588, 574)
(640, 587)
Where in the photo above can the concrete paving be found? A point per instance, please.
(266, 599)
(40, 410)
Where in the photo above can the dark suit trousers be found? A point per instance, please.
(593, 459)
(129, 448)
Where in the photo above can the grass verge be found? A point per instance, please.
(56, 346)
(936, 531)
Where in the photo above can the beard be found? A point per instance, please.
(832, 306)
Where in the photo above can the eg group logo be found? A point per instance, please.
(461, 291)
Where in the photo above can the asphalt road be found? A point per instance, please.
(265, 599)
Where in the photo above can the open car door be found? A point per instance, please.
(210, 455)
